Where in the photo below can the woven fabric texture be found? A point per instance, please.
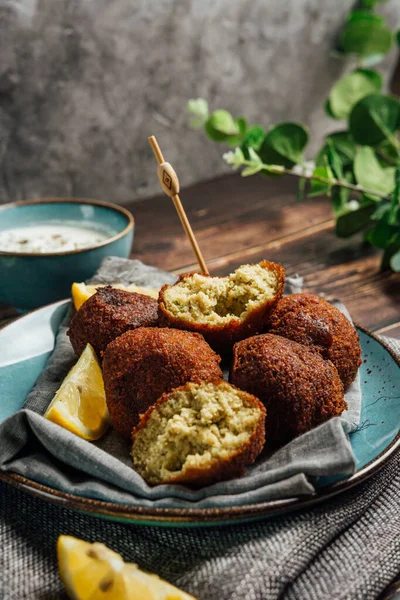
(348, 548)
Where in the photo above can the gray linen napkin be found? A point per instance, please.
(45, 452)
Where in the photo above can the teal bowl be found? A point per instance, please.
(30, 280)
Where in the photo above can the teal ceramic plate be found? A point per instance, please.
(27, 343)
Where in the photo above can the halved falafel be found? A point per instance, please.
(312, 321)
(199, 434)
(139, 366)
(223, 309)
(107, 314)
(299, 389)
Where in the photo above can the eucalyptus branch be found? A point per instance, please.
(255, 165)
(363, 157)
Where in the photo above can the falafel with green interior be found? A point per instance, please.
(314, 322)
(223, 309)
(141, 365)
(199, 434)
(106, 315)
(299, 389)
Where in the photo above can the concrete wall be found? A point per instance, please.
(83, 83)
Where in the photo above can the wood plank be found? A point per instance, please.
(227, 214)
(333, 268)
(244, 220)
(392, 330)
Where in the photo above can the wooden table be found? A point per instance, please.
(239, 220)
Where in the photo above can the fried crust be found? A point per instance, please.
(107, 314)
(221, 469)
(140, 365)
(312, 321)
(222, 337)
(299, 389)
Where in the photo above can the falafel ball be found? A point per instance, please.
(141, 365)
(299, 389)
(106, 315)
(199, 434)
(223, 309)
(312, 321)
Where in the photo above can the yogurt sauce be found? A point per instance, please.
(50, 237)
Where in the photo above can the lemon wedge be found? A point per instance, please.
(80, 405)
(81, 291)
(94, 572)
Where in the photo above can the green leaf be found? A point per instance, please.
(395, 261)
(284, 145)
(235, 140)
(394, 212)
(380, 234)
(353, 220)
(364, 15)
(383, 231)
(374, 119)
(344, 145)
(372, 3)
(366, 34)
(340, 195)
(398, 37)
(350, 89)
(339, 199)
(381, 211)
(394, 217)
(321, 188)
(220, 126)
(369, 173)
(396, 192)
(328, 109)
(391, 250)
(253, 156)
(254, 168)
(388, 152)
(334, 160)
(198, 108)
(241, 123)
(253, 137)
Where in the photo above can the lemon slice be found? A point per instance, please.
(80, 405)
(81, 291)
(94, 572)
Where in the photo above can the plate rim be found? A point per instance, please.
(202, 516)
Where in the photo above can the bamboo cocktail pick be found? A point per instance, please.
(170, 184)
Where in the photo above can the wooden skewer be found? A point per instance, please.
(170, 184)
